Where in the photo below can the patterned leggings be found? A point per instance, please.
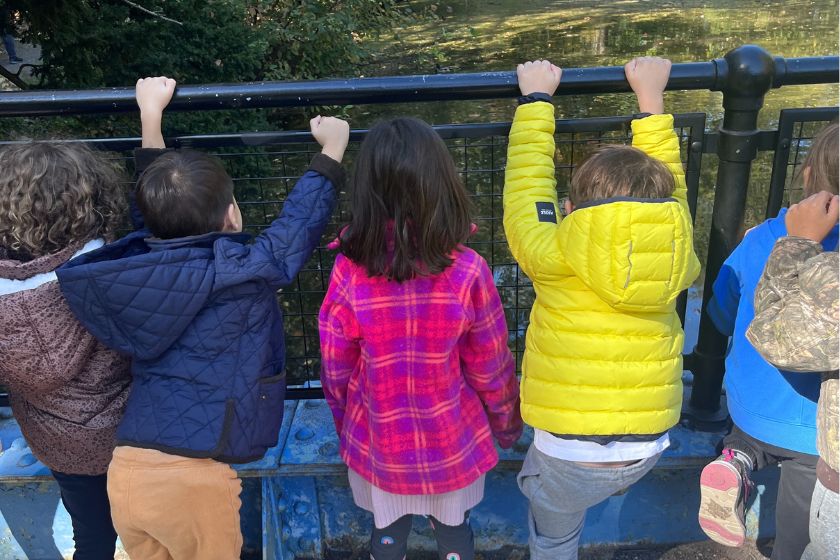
(454, 543)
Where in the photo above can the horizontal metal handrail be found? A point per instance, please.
(744, 75)
(445, 131)
(391, 89)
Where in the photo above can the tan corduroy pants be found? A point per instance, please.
(167, 507)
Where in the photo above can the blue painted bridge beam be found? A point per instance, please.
(297, 504)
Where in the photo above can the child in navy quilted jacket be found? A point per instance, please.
(194, 305)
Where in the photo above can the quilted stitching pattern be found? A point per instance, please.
(200, 319)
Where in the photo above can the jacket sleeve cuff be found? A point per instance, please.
(143, 158)
(662, 121)
(534, 97)
(329, 168)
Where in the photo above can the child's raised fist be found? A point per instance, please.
(154, 94)
(332, 134)
(539, 76)
(648, 76)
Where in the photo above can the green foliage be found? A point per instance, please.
(94, 43)
(104, 43)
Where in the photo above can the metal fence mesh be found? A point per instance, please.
(264, 176)
(796, 133)
(265, 168)
(800, 144)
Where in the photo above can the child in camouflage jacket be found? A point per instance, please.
(796, 329)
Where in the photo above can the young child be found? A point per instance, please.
(415, 362)
(773, 412)
(194, 305)
(601, 376)
(67, 390)
(796, 329)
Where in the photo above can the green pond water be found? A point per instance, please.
(470, 36)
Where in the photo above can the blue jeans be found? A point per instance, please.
(9, 43)
(559, 493)
(86, 500)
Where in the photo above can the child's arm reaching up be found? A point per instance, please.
(530, 196)
(655, 134)
(289, 241)
(152, 95)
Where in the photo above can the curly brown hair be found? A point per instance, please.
(54, 195)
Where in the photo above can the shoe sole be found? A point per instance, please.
(720, 493)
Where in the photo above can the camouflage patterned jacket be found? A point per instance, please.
(796, 324)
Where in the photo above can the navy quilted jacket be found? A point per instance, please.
(200, 319)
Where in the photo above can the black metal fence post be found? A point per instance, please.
(746, 74)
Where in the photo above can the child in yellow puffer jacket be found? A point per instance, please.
(601, 376)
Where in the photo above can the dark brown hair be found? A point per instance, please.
(184, 193)
(822, 159)
(409, 209)
(620, 171)
(54, 195)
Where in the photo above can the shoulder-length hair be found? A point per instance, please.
(409, 209)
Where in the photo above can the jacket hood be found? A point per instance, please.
(138, 295)
(633, 253)
(44, 347)
(19, 275)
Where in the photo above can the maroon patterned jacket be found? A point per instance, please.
(68, 391)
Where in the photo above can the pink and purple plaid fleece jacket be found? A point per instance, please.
(418, 375)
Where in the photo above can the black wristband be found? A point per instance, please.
(533, 97)
(637, 116)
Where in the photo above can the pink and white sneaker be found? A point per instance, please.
(725, 486)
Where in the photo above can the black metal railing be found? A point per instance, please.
(265, 166)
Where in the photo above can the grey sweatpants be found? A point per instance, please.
(559, 493)
(823, 527)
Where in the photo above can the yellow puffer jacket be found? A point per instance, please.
(603, 352)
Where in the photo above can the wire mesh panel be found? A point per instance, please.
(265, 167)
(797, 129)
(265, 175)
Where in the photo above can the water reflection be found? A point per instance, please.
(469, 35)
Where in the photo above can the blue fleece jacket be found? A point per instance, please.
(772, 406)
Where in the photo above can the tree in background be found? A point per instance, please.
(95, 43)
(103, 43)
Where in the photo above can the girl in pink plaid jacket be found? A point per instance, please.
(415, 363)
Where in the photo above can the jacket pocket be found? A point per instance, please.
(270, 401)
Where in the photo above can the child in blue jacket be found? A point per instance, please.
(773, 412)
(194, 305)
